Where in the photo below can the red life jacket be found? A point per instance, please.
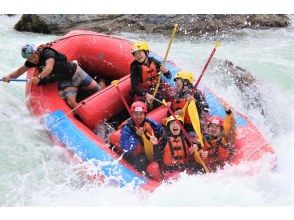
(179, 104)
(217, 154)
(147, 129)
(149, 76)
(176, 152)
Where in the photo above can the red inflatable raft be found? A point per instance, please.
(109, 57)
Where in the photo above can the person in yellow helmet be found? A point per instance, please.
(178, 155)
(144, 75)
(184, 85)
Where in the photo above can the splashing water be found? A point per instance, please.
(34, 172)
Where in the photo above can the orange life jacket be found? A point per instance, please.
(147, 129)
(176, 152)
(217, 154)
(149, 76)
(179, 104)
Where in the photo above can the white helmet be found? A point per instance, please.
(28, 50)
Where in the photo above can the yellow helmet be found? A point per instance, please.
(140, 45)
(185, 75)
(171, 118)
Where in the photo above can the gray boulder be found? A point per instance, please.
(191, 25)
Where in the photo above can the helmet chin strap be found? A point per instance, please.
(146, 57)
(146, 60)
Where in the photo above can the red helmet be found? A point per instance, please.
(139, 107)
(217, 120)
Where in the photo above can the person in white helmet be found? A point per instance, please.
(54, 66)
(219, 140)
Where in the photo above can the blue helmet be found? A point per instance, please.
(28, 50)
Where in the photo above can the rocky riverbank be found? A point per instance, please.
(189, 25)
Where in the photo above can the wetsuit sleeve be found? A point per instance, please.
(129, 140)
(201, 103)
(136, 73)
(158, 129)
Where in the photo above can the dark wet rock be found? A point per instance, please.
(190, 25)
(242, 78)
(10, 15)
(250, 88)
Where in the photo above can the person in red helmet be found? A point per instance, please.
(219, 140)
(144, 75)
(131, 140)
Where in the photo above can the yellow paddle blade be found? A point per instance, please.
(217, 44)
(148, 148)
(193, 113)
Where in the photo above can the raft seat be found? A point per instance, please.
(104, 104)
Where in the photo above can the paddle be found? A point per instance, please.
(197, 154)
(148, 146)
(216, 46)
(164, 60)
(15, 80)
(192, 109)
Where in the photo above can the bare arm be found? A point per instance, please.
(48, 68)
(46, 71)
(15, 74)
(230, 129)
(229, 135)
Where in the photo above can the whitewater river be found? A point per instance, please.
(34, 172)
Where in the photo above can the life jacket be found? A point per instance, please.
(147, 129)
(179, 103)
(59, 56)
(149, 76)
(217, 154)
(62, 69)
(175, 152)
